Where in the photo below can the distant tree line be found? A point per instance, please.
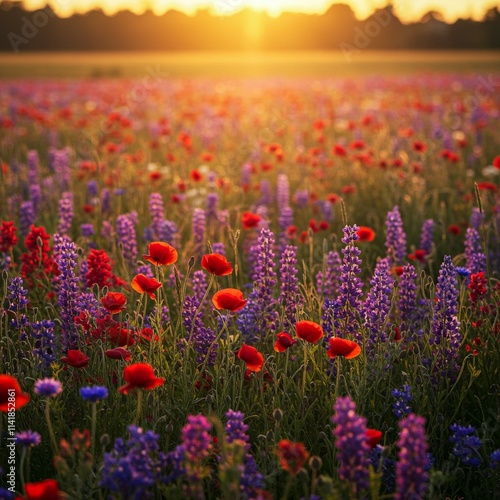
(338, 28)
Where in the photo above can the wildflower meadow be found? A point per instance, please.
(250, 288)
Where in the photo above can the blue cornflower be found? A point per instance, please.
(495, 459)
(400, 407)
(465, 445)
(48, 387)
(94, 393)
(462, 271)
(28, 438)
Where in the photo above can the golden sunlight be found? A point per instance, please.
(406, 10)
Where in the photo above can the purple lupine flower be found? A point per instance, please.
(199, 283)
(33, 166)
(411, 469)
(236, 430)
(87, 230)
(67, 289)
(47, 387)
(285, 220)
(107, 231)
(475, 260)
(301, 197)
(403, 397)
(282, 193)
(169, 233)
(197, 444)
(246, 173)
(65, 213)
(427, 236)
(328, 285)
(476, 219)
(27, 217)
(378, 303)
(61, 167)
(105, 201)
(212, 206)
(407, 298)
(45, 343)
(348, 303)
(164, 315)
(327, 210)
(36, 196)
(290, 298)
(127, 238)
(92, 191)
(395, 238)
(199, 232)
(131, 469)
(219, 247)
(156, 212)
(146, 270)
(201, 336)
(445, 323)
(266, 197)
(260, 314)
(28, 439)
(17, 303)
(352, 445)
(465, 445)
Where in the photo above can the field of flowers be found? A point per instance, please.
(250, 288)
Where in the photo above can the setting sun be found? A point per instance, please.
(406, 10)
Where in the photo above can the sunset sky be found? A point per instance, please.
(406, 10)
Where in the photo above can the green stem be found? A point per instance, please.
(288, 487)
(304, 373)
(49, 426)
(21, 467)
(139, 406)
(93, 432)
(337, 379)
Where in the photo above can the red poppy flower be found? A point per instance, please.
(252, 357)
(292, 456)
(118, 353)
(332, 198)
(250, 220)
(283, 342)
(230, 299)
(309, 331)
(139, 376)
(365, 233)
(454, 229)
(339, 150)
(161, 254)
(147, 335)
(487, 186)
(496, 161)
(373, 437)
(143, 284)
(343, 347)
(75, 358)
(217, 264)
(11, 396)
(196, 175)
(114, 302)
(120, 336)
(419, 255)
(47, 489)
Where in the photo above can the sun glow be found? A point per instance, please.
(406, 10)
